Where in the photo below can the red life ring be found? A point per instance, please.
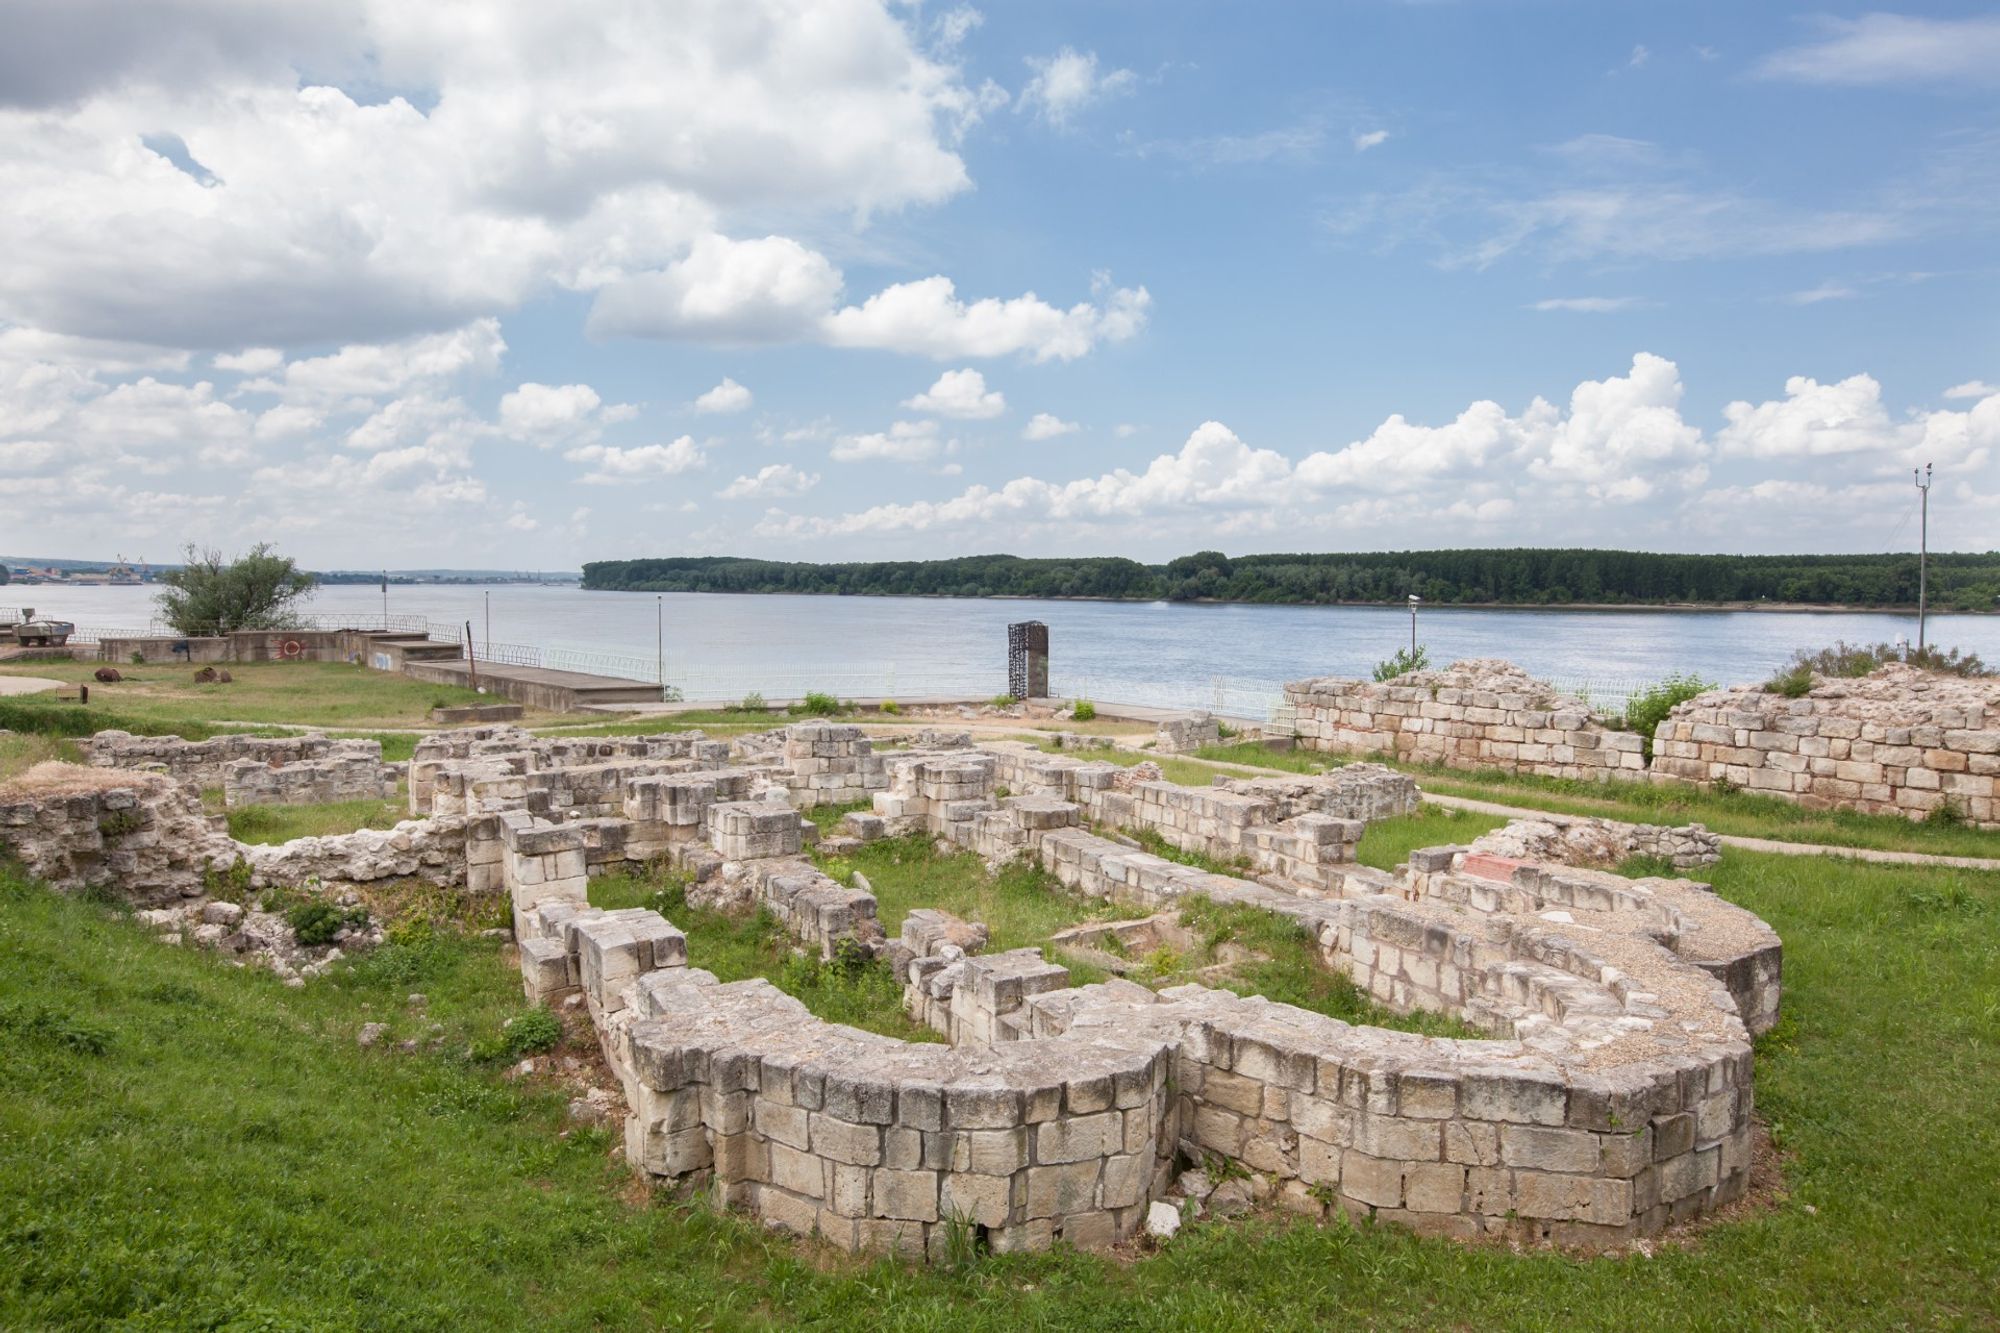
(291, 648)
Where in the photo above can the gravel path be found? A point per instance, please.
(1750, 844)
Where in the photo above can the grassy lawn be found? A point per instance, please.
(187, 1145)
(1743, 813)
(315, 694)
(735, 947)
(282, 823)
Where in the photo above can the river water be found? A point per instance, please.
(1233, 658)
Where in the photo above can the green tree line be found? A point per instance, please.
(1468, 577)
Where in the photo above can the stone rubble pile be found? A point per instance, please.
(1576, 840)
(1185, 735)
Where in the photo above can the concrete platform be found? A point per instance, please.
(539, 687)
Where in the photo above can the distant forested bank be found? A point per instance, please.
(1470, 577)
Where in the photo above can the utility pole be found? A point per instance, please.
(385, 601)
(1923, 480)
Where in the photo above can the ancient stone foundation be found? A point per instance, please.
(351, 771)
(1607, 1095)
(1473, 714)
(205, 763)
(1901, 741)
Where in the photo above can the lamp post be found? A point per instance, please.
(1414, 600)
(660, 641)
(489, 622)
(1923, 480)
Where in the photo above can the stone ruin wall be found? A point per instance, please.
(205, 764)
(1900, 741)
(1611, 1098)
(79, 828)
(352, 771)
(1475, 714)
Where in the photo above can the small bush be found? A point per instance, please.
(1403, 663)
(531, 1033)
(1004, 701)
(753, 702)
(1947, 813)
(889, 706)
(317, 921)
(1083, 710)
(1793, 683)
(1645, 710)
(230, 883)
(819, 704)
(1851, 660)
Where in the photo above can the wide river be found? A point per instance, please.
(1226, 657)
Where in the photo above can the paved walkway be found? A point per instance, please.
(27, 684)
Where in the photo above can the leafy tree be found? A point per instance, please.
(256, 590)
(4, 575)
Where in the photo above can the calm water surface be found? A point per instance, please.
(721, 646)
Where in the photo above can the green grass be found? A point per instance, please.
(1177, 769)
(282, 823)
(20, 752)
(1747, 814)
(1021, 904)
(187, 1145)
(1387, 843)
(165, 699)
(1290, 970)
(735, 947)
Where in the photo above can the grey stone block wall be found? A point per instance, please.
(1472, 715)
(1900, 742)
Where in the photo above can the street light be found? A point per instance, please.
(1414, 599)
(1923, 480)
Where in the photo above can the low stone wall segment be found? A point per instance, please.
(1900, 741)
(1480, 713)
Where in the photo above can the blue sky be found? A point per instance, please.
(512, 284)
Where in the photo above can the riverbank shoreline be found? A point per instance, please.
(1777, 608)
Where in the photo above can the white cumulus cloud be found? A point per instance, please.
(903, 442)
(726, 397)
(927, 318)
(1046, 426)
(961, 394)
(611, 466)
(772, 481)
